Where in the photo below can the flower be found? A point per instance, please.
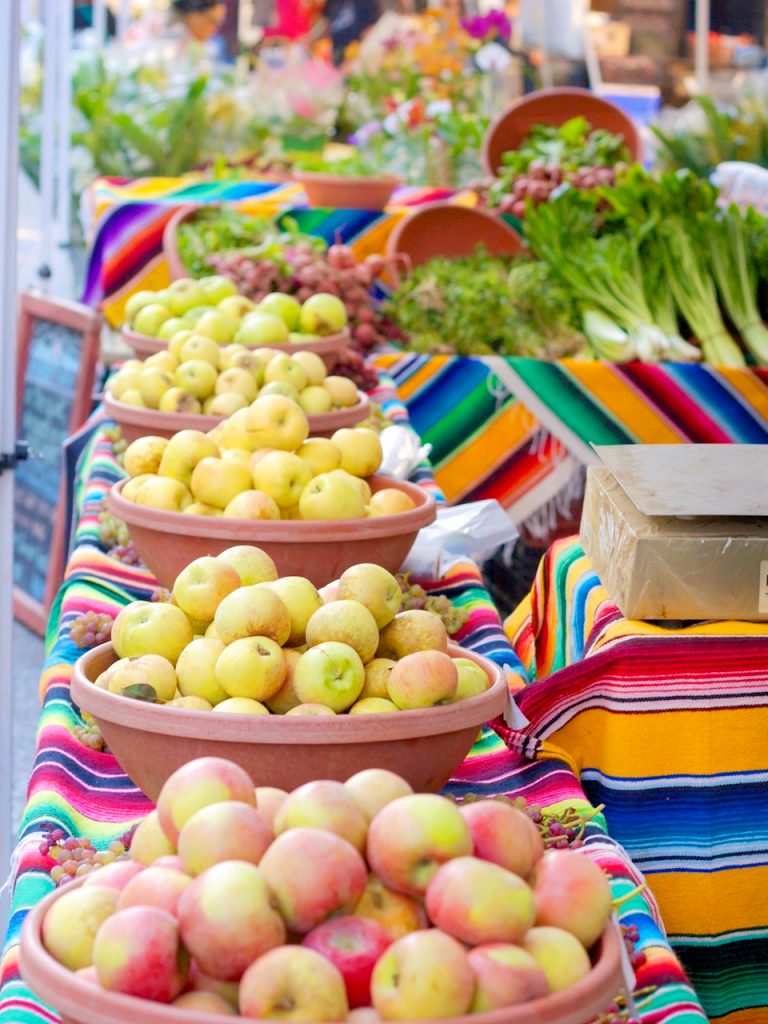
(365, 133)
(493, 25)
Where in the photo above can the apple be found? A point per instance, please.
(193, 315)
(505, 975)
(143, 627)
(282, 388)
(389, 501)
(245, 359)
(310, 711)
(177, 400)
(423, 976)
(424, 679)
(313, 366)
(347, 622)
(283, 476)
(374, 788)
(176, 342)
(284, 306)
(199, 347)
(216, 325)
(252, 505)
(199, 981)
(323, 314)
(328, 497)
(472, 679)
(252, 611)
(327, 805)
(236, 306)
(253, 666)
(238, 380)
(353, 945)
(163, 493)
(265, 355)
(240, 706)
(138, 301)
(204, 1002)
(169, 861)
(144, 454)
(414, 630)
(294, 984)
(225, 405)
(374, 587)
(227, 919)
(360, 485)
(71, 924)
(503, 835)
(132, 487)
(237, 455)
(196, 670)
(373, 706)
(330, 673)
(477, 901)
(216, 482)
(361, 451)
(126, 377)
(144, 670)
(202, 586)
(377, 679)
(315, 400)
(169, 328)
(259, 329)
(164, 360)
(183, 452)
(250, 563)
(411, 837)
(152, 384)
(302, 600)
(132, 396)
(320, 454)
(184, 294)
(270, 422)
(115, 875)
(269, 799)
(150, 842)
(396, 913)
(150, 319)
(559, 954)
(286, 370)
(197, 377)
(199, 508)
(572, 893)
(190, 704)
(342, 390)
(137, 953)
(216, 288)
(306, 898)
(155, 887)
(198, 783)
(221, 832)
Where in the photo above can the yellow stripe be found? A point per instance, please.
(695, 903)
(153, 276)
(749, 386)
(423, 375)
(622, 401)
(634, 627)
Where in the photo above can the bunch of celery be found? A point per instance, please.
(736, 279)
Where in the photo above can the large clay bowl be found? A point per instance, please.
(447, 230)
(338, 191)
(327, 348)
(135, 421)
(555, 107)
(319, 550)
(151, 741)
(81, 1002)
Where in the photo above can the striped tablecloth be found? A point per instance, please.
(667, 727)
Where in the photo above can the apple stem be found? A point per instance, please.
(621, 900)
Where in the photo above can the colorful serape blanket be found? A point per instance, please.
(85, 793)
(667, 728)
(126, 250)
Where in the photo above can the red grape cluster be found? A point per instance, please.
(126, 553)
(77, 857)
(541, 180)
(350, 363)
(90, 629)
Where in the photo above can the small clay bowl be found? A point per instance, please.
(82, 1002)
(341, 192)
(327, 348)
(135, 421)
(151, 741)
(319, 549)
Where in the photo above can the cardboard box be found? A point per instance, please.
(680, 532)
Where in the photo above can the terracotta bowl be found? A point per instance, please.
(443, 229)
(554, 107)
(81, 1002)
(134, 421)
(327, 348)
(319, 550)
(346, 192)
(425, 747)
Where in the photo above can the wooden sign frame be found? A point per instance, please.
(34, 307)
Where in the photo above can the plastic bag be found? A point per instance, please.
(474, 530)
(403, 451)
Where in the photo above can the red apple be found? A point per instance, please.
(572, 893)
(137, 952)
(504, 835)
(155, 887)
(207, 780)
(353, 945)
(423, 976)
(323, 804)
(115, 875)
(505, 976)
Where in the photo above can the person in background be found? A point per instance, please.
(201, 20)
(295, 19)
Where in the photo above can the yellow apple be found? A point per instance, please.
(190, 703)
(252, 666)
(238, 380)
(360, 485)
(132, 487)
(236, 306)
(163, 361)
(227, 353)
(177, 400)
(342, 390)
(331, 673)
(361, 451)
(199, 508)
(374, 587)
(265, 355)
(310, 711)
(176, 342)
(202, 585)
(197, 377)
(237, 455)
(217, 325)
(274, 422)
(390, 501)
(183, 452)
(137, 301)
(164, 493)
(145, 670)
(152, 385)
(286, 370)
(280, 387)
(251, 564)
(312, 365)
(241, 706)
(144, 454)
(320, 454)
(197, 346)
(472, 679)
(347, 622)
(132, 396)
(286, 698)
(144, 627)
(302, 600)
(225, 405)
(285, 306)
(127, 377)
(262, 329)
(329, 497)
(373, 706)
(283, 476)
(196, 670)
(315, 400)
(377, 678)
(252, 505)
(252, 611)
(217, 482)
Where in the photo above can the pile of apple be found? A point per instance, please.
(197, 375)
(236, 638)
(212, 307)
(359, 901)
(260, 463)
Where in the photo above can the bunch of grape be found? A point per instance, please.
(119, 444)
(349, 363)
(541, 180)
(77, 857)
(112, 531)
(415, 596)
(89, 733)
(126, 553)
(90, 629)
(161, 596)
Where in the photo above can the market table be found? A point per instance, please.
(85, 793)
(666, 725)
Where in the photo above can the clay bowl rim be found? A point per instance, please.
(393, 726)
(299, 531)
(140, 416)
(631, 135)
(323, 345)
(70, 995)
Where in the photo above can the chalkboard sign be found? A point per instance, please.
(57, 349)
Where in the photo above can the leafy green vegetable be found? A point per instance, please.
(570, 145)
(738, 132)
(736, 280)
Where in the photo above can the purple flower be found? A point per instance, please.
(493, 25)
(365, 133)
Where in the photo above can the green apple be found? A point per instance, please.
(216, 325)
(472, 679)
(280, 387)
(145, 627)
(138, 301)
(323, 314)
(284, 368)
(171, 327)
(329, 497)
(283, 476)
(153, 383)
(217, 288)
(261, 329)
(177, 341)
(236, 306)
(331, 674)
(284, 306)
(193, 315)
(238, 380)
(179, 401)
(150, 319)
(198, 346)
(197, 377)
(183, 452)
(312, 365)
(183, 295)
(315, 400)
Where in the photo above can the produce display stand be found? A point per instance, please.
(666, 726)
(85, 792)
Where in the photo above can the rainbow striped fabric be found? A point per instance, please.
(85, 792)
(666, 727)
